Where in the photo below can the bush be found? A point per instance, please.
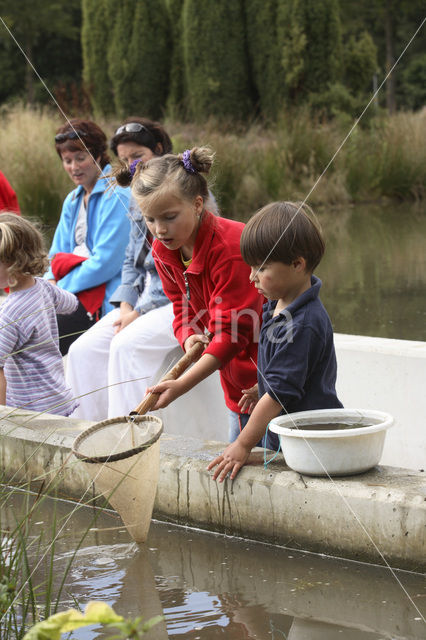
(389, 159)
(414, 82)
(176, 97)
(264, 51)
(359, 63)
(215, 60)
(254, 164)
(95, 33)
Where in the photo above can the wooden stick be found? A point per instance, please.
(190, 356)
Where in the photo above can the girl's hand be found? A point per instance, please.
(196, 337)
(126, 317)
(249, 399)
(168, 390)
(231, 460)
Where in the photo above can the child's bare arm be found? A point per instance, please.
(172, 389)
(2, 387)
(236, 453)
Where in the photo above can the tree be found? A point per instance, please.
(321, 26)
(95, 34)
(359, 62)
(149, 59)
(309, 37)
(391, 24)
(266, 70)
(414, 82)
(117, 57)
(215, 59)
(292, 50)
(35, 24)
(177, 89)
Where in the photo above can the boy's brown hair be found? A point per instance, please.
(282, 232)
(21, 246)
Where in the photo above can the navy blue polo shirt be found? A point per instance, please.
(296, 357)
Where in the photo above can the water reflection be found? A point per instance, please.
(211, 586)
(374, 270)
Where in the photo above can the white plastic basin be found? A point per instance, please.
(336, 451)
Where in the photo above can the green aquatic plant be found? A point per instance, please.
(28, 591)
(95, 613)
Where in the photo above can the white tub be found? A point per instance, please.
(333, 452)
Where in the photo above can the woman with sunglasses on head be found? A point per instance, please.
(121, 354)
(89, 244)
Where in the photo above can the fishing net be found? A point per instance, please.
(123, 460)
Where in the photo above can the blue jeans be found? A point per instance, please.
(237, 421)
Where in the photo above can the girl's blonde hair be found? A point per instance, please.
(21, 247)
(181, 173)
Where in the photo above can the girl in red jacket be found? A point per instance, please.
(197, 256)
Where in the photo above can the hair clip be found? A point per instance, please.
(186, 159)
(133, 166)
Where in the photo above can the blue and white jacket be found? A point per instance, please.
(140, 283)
(107, 237)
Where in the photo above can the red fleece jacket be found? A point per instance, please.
(92, 298)
(8, 199)
(221, 299)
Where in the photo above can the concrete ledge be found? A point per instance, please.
(355, 517)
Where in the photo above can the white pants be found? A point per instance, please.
(114, 370)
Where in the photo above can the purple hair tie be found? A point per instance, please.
(133, 166)
(186, 159)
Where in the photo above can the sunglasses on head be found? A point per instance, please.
(131, 127)
(71, 135)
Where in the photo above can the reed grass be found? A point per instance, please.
(27, 590)
(31, 595)
(388, 159)
(29, 160)
(254, 164)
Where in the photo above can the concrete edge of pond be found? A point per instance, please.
(378, 515)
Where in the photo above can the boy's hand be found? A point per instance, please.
(249, 399)
(231, 460)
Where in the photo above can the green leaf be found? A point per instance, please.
(54, 626)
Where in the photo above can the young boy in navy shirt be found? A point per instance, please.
(283, 244)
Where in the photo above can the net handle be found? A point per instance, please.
(192, 355)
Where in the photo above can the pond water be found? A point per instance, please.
(211, 586)
(374, 270)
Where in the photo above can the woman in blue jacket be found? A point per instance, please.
(110, 366)
(88, 247)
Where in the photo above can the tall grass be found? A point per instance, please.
(388, 159)
(29, 160)
(29, 590)
(254, 165)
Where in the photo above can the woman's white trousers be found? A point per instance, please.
(109, 373)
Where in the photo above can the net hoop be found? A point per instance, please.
(123, 454)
